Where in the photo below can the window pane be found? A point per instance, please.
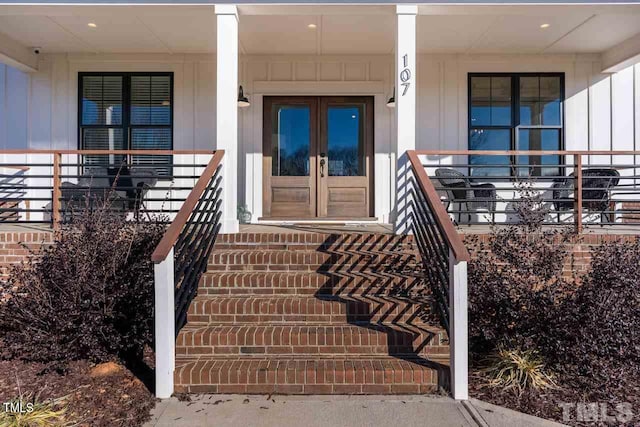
(101, 100)
(152, 139)
(500, 101)
(490, 139)
(550, 88)
(529, 101)
(551, 113)
(480, 101)
(540, 101)
(490, 101)
(500, 113)
(543, 140)
(150, 100)
(344, 141)
(529, 88)
(102, 139)
(290, 140)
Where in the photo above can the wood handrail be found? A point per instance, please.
(440, 215)
(173, 232)
(21, 168)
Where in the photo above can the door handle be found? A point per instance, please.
(322, 163)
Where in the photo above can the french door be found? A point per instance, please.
(318, 157)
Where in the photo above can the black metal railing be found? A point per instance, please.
(191, 237)
(578, 188)
(192, 250)
(49, 186)
(438, 242)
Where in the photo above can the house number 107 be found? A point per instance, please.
(405, 74)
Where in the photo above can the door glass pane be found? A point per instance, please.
(542, 140)
(490, 139)
(291, 139)
(345, 143)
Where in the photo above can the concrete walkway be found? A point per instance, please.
(334, 411)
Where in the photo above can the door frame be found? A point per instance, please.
(250, 138)
(318, 185)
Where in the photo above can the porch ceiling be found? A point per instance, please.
(338, 29)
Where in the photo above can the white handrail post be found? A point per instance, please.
(164, 326)
(458, 328)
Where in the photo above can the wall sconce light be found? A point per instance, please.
(391, 103)
(243, 101)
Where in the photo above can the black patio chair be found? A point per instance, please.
(124, 188)
(597, 184)
(92, 189)
(462, 191)
(143, 179)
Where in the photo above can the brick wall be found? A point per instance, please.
(15, 246)
(12, 247)
(580, 259)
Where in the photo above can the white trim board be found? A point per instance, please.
(311, 88)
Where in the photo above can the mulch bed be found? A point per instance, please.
(106, 395)
(546, 404)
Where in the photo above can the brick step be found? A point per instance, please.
(313, 239)
(308, 283)
(290, 375)
(369, 309)
(312, 340)
(275, 260)
(333, 256)
(395, 246)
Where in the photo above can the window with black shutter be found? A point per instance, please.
(126, 111)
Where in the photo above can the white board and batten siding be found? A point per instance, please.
(602, 111)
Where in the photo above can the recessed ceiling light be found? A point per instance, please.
(545, 25)
(312, 26)
(92, 25)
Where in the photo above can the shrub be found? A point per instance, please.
(596, 332)
(516, 280)
(585, 331)
(89, 295)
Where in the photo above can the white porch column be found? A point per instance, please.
(405, 84)
(458, 328)
(165, 322)
(227, 110)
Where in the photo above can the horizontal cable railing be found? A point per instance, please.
(49, 186)
(180, 259)
(444, 259)
(578, 188)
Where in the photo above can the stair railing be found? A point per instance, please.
(444, 257)
(180, 259)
